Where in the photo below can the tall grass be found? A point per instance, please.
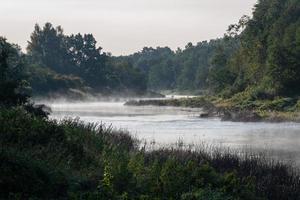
(69, 159)
(273, 178)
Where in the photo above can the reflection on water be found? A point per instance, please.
(166, 125)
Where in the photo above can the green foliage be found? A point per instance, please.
(126, 77)
(45, 159)
(59, 62)
(270, 47)
(12, 84)
(261, 100)
(172, 179)
(206, 194)
(45, 81)
(297, 106)
(196, 102)
(24, 176)
(186, 69)
(260, 52)
(220, 75)
(67, 156)
(46, 46)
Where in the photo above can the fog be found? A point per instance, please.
(165, 126)
(125, 26)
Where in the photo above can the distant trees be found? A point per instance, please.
(87, 59)
(66, 59)
(219, 75)
(157, 65)
(47, 47)
(256, 54)
(259, 53)
(125, 77)
(162, 75)
(191, 69)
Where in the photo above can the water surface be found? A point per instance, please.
(168, 125)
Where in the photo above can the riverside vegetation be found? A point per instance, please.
(254, 67)
(256, 60)
(240, 107)
(46, 159)
(69, 159)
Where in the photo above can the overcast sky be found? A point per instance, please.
(125, 26)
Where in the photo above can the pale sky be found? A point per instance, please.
(125, 26)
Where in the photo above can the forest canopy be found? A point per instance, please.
(258, 57)
(58, 61)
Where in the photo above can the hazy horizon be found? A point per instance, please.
(125, 26)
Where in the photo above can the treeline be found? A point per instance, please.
(193, 69)
(59, 63)
(46, 159)
(257, 56)
(268, 61)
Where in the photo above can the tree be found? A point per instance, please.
(76, 59)
(88, 60)
(269, 53)
(12, 84)
(220, 76)
(47, 47)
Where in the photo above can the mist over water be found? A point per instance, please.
(168, 125)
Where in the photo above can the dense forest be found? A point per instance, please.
(258, 56)
(191, 69)
(69, 159)
(40, 158)
(251, 74)
(58, 63)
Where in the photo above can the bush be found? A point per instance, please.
(45, 81)
(71, 148)
(46, 159)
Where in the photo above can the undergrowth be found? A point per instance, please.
(68, 159)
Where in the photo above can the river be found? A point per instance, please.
(166, 126)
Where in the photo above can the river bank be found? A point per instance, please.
(166, 125)
(69, 159)
(277, 110)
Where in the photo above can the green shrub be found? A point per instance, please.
(206, 194)
(44, 159)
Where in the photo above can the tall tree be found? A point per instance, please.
(269, 53)
(12, 86)
(88, 59)
(47, 46)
